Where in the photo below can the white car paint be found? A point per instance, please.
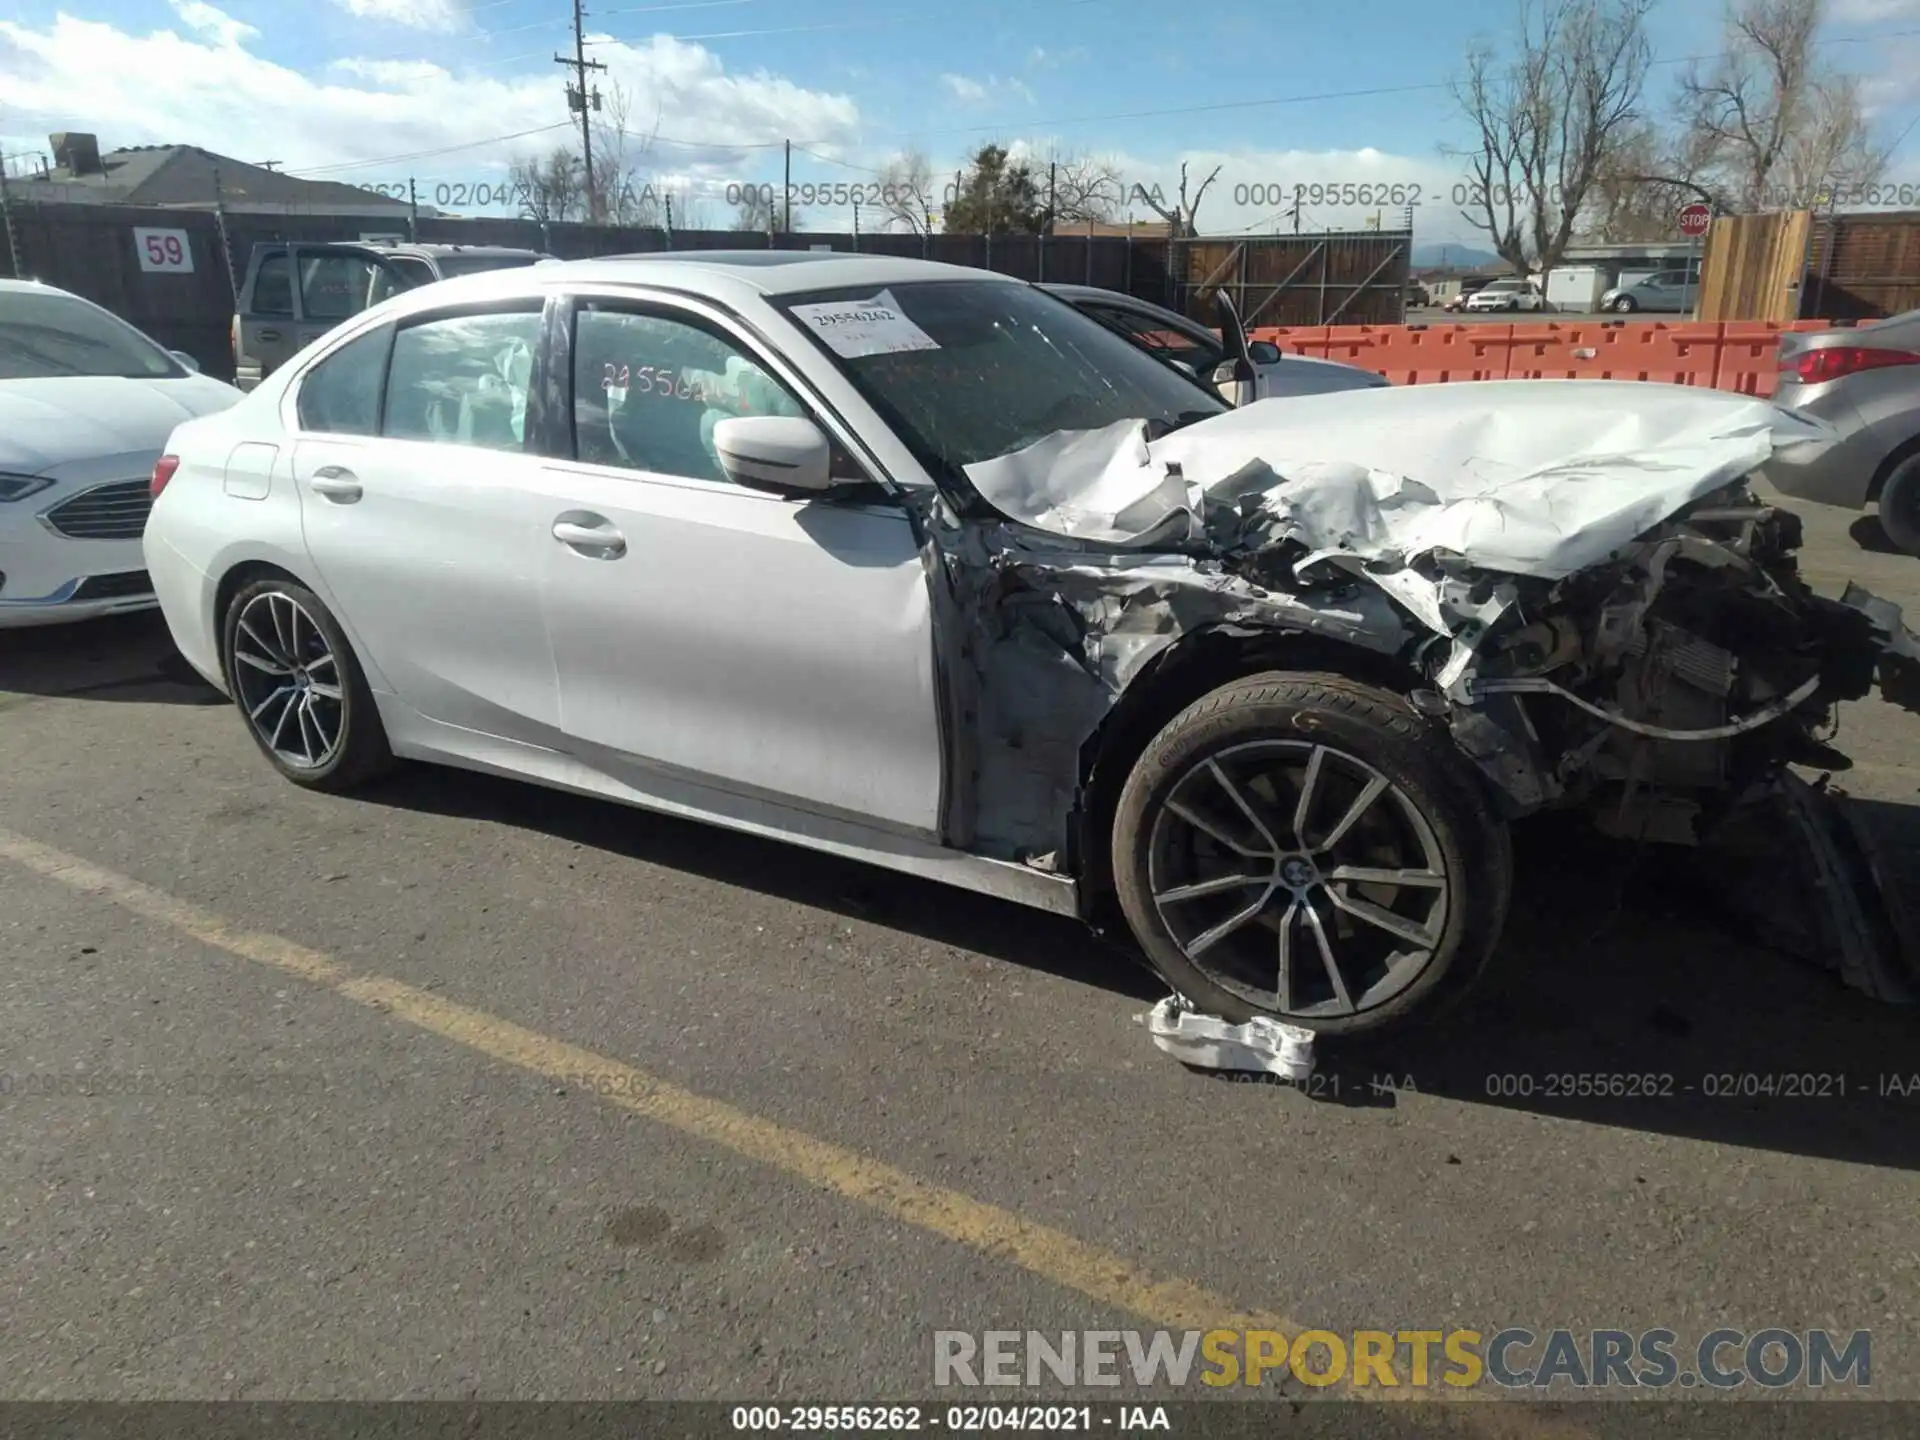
(1507, 295)
(715, 669)
(62, 437)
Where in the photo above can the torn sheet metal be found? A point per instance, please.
(1540, 478)
(1207, 1042)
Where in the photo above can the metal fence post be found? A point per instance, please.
(6, 216)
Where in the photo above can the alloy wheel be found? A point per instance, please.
(1299, 878)
(288, 681)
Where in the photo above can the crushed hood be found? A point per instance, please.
(1523, 477)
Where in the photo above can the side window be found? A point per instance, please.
(335, 287)
(1154, 335)
(463, 379)
(399, 274)
(273, 285)
(648, 390)
(341, 395)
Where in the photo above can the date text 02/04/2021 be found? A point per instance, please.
(956, 1419)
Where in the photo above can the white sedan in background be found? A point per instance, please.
(923, 566)
(86, 405)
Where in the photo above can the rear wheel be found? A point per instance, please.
(295, 680)
(1308, 848)
(1900, 505)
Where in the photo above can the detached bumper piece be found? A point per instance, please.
(1899, 647)
(1802, 868)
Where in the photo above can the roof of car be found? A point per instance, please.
(409, 247)
(731, 276)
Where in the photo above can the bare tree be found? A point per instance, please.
(1643, 183)
(906, 194)
(1084, 188)
(550, 188)
(1782, 131)
(1550, 117)
(754, 214)
(622, 194)
(1182, 220)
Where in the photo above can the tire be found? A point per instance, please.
(1900, 505)
(285, 622)
(1625, 305)
(1268, 734)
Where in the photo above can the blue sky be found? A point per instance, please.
(1345, 93)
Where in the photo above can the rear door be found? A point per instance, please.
(418, 501)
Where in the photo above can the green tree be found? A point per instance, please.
(997, 195)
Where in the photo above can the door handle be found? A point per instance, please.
(600, 539)
(266, 335)
(336, 482)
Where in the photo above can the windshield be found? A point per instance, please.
(969, 370)
(45, 334)
(452, 265)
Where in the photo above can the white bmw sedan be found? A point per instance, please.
(86, 405)
(922, 566)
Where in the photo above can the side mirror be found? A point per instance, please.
(781, 453)
(1264, 352)
(185, 359)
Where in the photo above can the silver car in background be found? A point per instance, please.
(1865, 382)
(1667, 292)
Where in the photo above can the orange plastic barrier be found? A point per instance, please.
(1294, 339)
(1735, 355)
(1683, 354)
(1422, 354)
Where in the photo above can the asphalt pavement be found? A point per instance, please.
(466, 1089)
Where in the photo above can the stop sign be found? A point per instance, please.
(1694, 219)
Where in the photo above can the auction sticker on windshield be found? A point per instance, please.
(853, 328)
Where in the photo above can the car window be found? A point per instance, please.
(45, 334)
(273, 285)
(463, 379)
(335, 287)
(967, 370)
(341, 395)
(649, 388)
(1155, 335)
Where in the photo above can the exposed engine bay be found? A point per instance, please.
(1577, 580)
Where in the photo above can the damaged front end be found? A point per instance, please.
(1576, 580)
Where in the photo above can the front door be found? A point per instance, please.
(707, 632)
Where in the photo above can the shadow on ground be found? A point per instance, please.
(1613, 968)
(1868, 535)
(117, 657)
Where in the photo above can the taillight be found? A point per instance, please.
(163, 469)
(1814, 367)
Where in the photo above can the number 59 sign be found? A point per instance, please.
(164, 250)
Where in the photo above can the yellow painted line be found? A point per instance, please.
(1167, 1303)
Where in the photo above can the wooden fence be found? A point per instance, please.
(1796, 265)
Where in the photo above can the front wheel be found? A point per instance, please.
(1625, 305)
(1307, 848)
(296, 682)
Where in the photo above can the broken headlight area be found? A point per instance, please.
(1657, 687)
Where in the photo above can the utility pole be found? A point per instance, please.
(1053, 171)
(578, 98)
(413, 210)
(787, 192)
(6, 218)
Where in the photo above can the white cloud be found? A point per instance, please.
(215, 24)
(414, 14)
(221, 96)
(969, 91)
